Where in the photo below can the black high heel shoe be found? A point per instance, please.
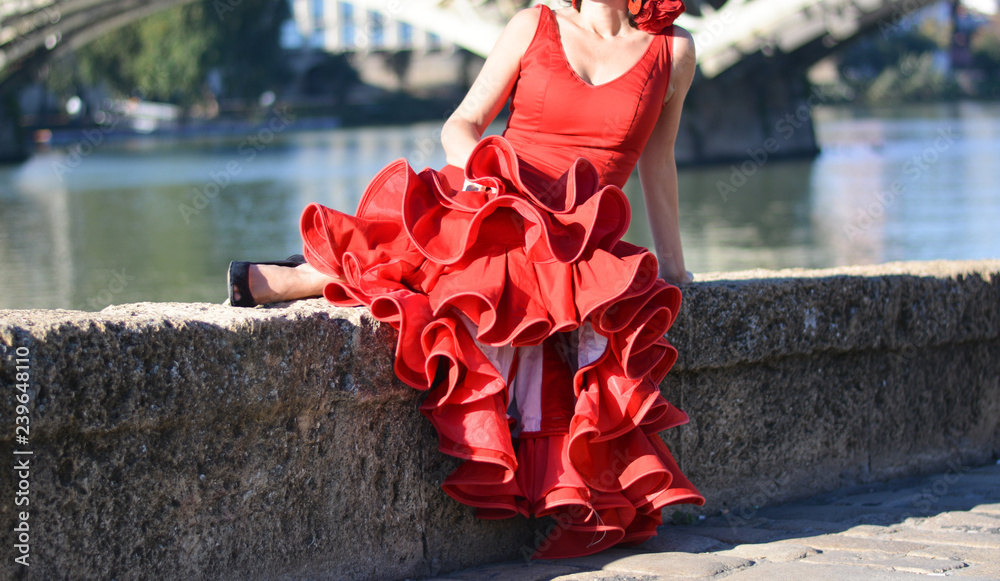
(239, 279)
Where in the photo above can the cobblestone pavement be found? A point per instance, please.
(943, 525)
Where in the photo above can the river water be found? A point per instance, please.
(124, 222)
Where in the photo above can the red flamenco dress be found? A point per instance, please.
(548, 329)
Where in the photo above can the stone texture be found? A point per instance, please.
(820, 572)
(608, 576)
(896, 306)
(902, 563)
(667, 539)
(804, 526)
(867, 531)
(777, 552)
(989, 571)
(964, 522)
(663, 564)
(737, 534)
(197, 441)
(993, 509)
(845, 552)
(980, 562)
(530, 571)
(970, 555)
(945, 537)
(858, 374)
(848, 543)
(181, 441)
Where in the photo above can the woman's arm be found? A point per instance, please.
(463, 130)
(658, 168)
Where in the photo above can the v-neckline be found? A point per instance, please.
(569, 66)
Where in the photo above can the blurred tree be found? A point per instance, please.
(898, 64)
(168, 56)
(160, 58)
(986, 56)
(986, 45)
(246, 49)
(333, 75)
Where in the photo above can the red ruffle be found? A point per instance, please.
(520, 263)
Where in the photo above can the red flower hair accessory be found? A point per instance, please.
(653, 16)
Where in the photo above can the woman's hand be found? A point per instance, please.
(669, 272)
(688, 278)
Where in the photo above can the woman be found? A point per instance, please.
(537, 332)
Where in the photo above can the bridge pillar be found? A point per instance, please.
(754, 117)
(13, 145)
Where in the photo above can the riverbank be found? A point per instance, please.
(178, 440)
(391, 109)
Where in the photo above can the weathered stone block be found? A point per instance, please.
(197, 441)
(200, 441)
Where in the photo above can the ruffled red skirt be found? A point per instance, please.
(547, 329)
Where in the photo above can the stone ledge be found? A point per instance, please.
(193, 440)
(197, 357)
(895, 306)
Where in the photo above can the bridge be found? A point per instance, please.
(752, 54)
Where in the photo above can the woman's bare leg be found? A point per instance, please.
(270, 283)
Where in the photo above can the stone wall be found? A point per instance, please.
(199, 441)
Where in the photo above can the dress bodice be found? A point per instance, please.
(557, 117)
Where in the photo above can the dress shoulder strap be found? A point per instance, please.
(548, 29)
(542, 39)
(546, 13)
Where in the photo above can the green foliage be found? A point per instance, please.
(168, 56)
(914, 78)
(986, 57)
(986, 46)
(160, 58)
(247, 51)
(897, 65)
(333, 76)
(868, 57)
